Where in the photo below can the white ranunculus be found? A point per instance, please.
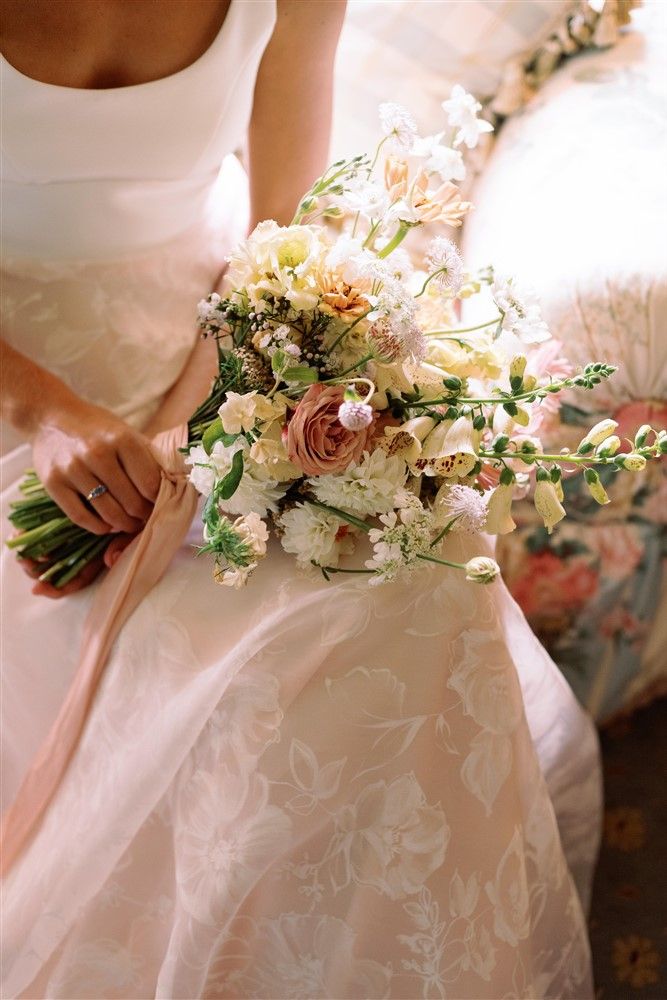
(364, 489)
(312, 534)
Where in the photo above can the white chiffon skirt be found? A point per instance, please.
(301, 789)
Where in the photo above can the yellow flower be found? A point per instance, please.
(499, 511)
(624, 828)
(634, 463)
(635, 961)
(547, 504)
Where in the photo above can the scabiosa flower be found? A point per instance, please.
(443, 257)
(398, 124)
(462, 504)
(482, 569)
(520, 311)
(353, 413)
(462, 110)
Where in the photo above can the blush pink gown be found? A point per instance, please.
(301, 789)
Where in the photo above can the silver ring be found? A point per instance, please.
(97, 492)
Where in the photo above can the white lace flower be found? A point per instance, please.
(398, 124)
(364, 489)
(406, 536)
(443, 256)
(440, 159)
(310, 533)
(520, 311)
(463, 504)
(462, 110)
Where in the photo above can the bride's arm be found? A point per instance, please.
(288, 144)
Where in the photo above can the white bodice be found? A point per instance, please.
(119, 206)
(97, 173)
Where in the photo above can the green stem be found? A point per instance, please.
(428, 280)
(350, 518)
(395, 241)
(332, 381)
(463, 329)
(347, 330)
(445, 531)
(441, 562)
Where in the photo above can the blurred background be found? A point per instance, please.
(570, 197)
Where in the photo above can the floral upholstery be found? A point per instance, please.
(573, 201)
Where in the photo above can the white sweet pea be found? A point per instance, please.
(440, 159)
(462, 110)
(202, 473)
(241, 411)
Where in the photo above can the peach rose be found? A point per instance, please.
(317, 441)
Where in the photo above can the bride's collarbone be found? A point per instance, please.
(102, 44)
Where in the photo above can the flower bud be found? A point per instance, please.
(529, 383)
(600, 432)
(610, 446)
(481, 569)
(595, 487)
(522, 416)
(642, 434)
(634, 463)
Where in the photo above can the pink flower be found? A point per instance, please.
(317, 441)
(632, 415)
(550, 588)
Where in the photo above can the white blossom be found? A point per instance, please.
(462, 110)
(520, 311)
(404, 537)
(257, 491)
(398, 124)
(443, 256)
(313, 534)
(364, 489)
(202, 473)
(440, 159)
(463, 504)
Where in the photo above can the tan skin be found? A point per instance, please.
(115, 43)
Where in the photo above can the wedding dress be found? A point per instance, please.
(301, 789)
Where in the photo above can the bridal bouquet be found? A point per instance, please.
(351, 410)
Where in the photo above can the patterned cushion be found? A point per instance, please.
(573, 202)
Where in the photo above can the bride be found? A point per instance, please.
(304, 789)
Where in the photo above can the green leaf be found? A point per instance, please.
(300, 373)
(215, 432)
(228, 486)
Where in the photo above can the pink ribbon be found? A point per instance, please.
(138, 569)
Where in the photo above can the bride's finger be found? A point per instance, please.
(105, 505)
(141, 467)
(108, 470)
(70, 502)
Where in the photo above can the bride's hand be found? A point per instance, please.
(80, 447)
(88, 574)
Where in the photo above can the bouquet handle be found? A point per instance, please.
(138, 569)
